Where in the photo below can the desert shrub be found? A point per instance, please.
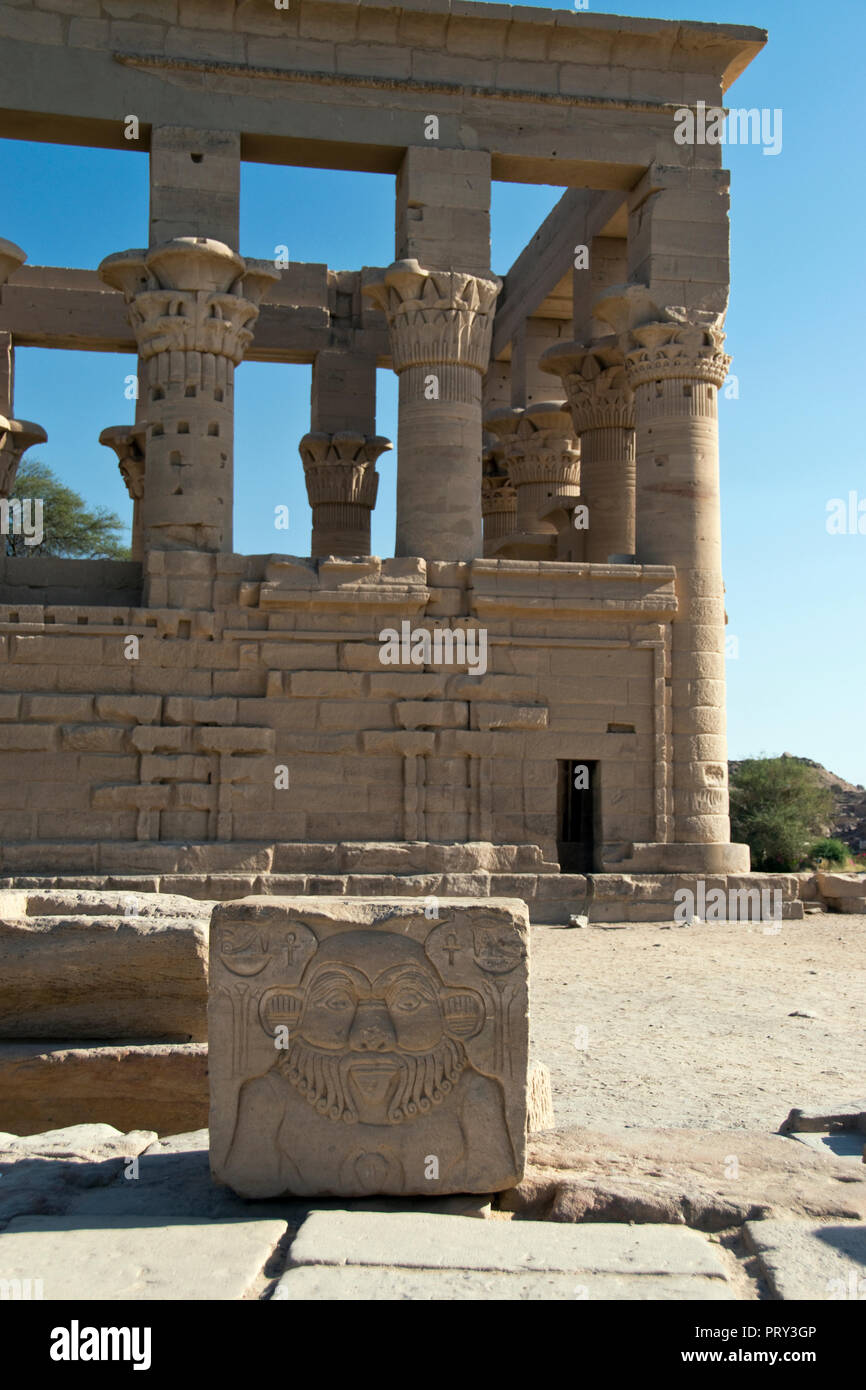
(778, 805)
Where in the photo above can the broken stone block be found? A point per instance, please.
(360, 1047)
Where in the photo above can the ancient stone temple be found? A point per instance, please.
(532, 689)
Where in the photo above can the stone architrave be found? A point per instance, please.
(602, 408)
(128, 442)
(16, 437)
(542, 461)
(675, 365)
(192, 304)
(359, 1047)
(441, 324)
(342, 483)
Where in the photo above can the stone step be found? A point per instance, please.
(221, 857)
(552, 898)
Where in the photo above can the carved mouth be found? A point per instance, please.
(374, 1081)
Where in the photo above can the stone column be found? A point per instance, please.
(602, 408)
(192, 303)
(675, 365)
(16, 437)
(342, 482)
(128, 443)
(541, 458)
(441, 323)
(498, 500)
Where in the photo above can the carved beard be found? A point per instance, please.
(410, 1084)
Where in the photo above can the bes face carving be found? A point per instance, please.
(375, 1036)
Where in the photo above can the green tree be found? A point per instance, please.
(777, 807)
(70, 528)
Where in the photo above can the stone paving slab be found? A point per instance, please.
(105, 1259)
(811, 1260)
(358, 1283)
(418, 1241)
(842, 1144)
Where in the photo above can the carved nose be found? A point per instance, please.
(372, 1031)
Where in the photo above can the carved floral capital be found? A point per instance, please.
(340, 467)
(436, 316)
(191, 294)
(16, 437)
(594, 380)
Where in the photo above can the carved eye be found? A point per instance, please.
(408, 1002)
(338, 1002)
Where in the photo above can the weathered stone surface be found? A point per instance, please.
(361, 1047)
(417, 1241)
(811, 1261)
(539, 1100)
(102, 965)
(103, 1259)
(159, 1086)
(41, 1172)
(358, 1282)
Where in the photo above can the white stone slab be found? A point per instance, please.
(811, 1260)
(359, 1283)
(94, 1259)
(418, 1241)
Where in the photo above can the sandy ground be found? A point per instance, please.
(692, 1027)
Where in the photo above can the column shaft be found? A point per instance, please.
(676, 372)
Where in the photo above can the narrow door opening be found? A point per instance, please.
(577, 791)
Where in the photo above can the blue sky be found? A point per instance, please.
(790, 443)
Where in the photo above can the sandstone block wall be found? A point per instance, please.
(250, 702)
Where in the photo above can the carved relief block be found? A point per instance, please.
(366, 1046)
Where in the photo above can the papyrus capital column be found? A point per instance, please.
(440, 323)
(498, 500)
(342, 483)
(128, 443)
(602, 410)
(16, 437)
(675, 364)
(540, 455)
(192, 304)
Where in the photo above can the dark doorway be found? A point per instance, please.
(576, 812)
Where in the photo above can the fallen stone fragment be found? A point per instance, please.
(129, 969)
(39, 1173)
(850, 1117)
(159, 1086)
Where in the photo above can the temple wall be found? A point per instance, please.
(171, 723)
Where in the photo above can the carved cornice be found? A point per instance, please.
(191, 294)
(340, 467)
(595, 383)
(436, 316)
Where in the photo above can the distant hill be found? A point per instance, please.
(849, 821)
